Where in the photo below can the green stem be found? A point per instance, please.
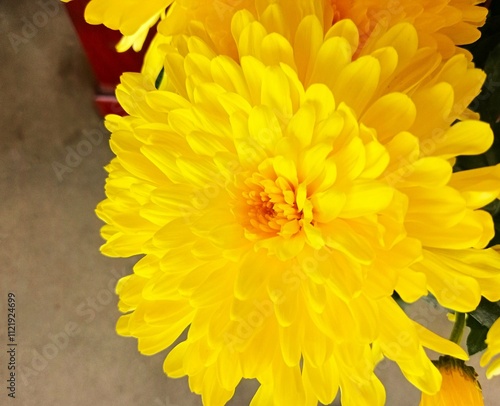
(458, 328)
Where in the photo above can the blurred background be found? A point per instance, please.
(53, 148)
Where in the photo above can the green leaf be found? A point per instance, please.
(480, 321)
(159, 78)
(476, 337)
(486, 313)
(493, 208)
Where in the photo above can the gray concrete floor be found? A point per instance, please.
(52, 151)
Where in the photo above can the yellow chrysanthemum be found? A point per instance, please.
(460, 386)
(442, 24)
(438, 26)
(132, 18)
(492, 351)
(280, 196)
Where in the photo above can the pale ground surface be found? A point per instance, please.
(68, 352)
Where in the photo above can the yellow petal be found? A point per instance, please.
(403, 113)
(478, 186)
(366, 198)
(451, 288)
(357, 82)
(464, 138)
(439, 344)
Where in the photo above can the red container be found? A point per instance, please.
(99, 44)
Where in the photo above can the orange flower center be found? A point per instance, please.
(269, 208)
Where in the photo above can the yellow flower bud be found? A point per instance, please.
(460, 386)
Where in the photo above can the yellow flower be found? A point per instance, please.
(493, 341)
(442, 24)
(438, 26)
(132, 18)
(460, 386)
(281, 195)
